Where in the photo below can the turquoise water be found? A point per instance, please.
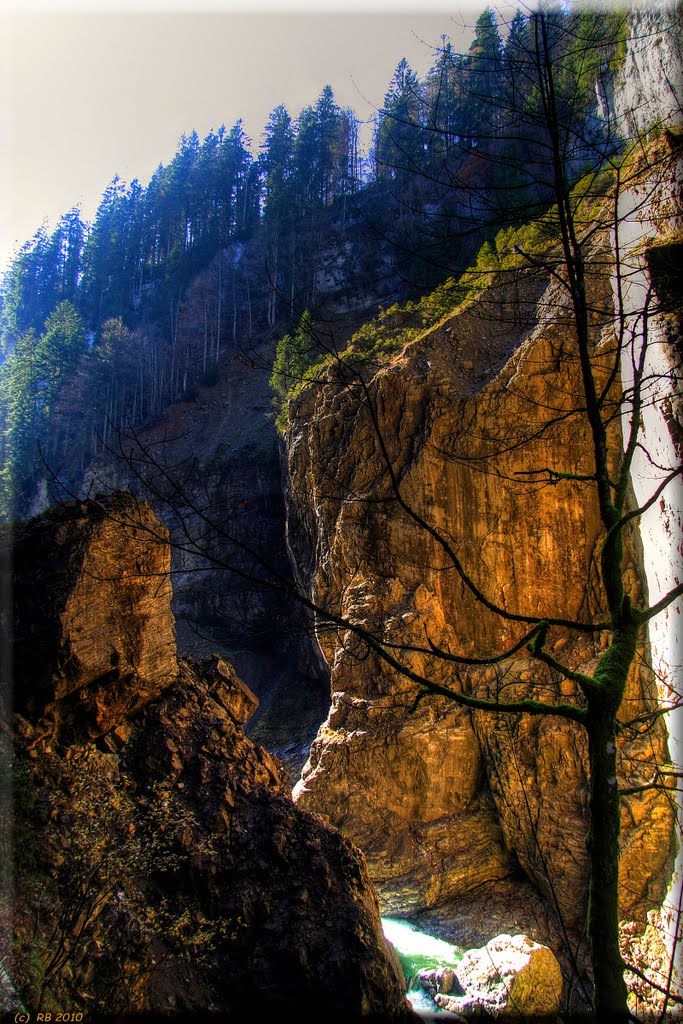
(420, 951)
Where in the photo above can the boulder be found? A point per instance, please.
(440, 979)
(229, 690)
(511, 977)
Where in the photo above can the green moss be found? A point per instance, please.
(376, 341)
(621, 26)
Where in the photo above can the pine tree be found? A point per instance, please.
(399, 139)
(19, 409)
(276, 165)
(295, 354)
(32, 381)
(483, 67)
(446, 99)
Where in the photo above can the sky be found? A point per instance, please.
(93, 89)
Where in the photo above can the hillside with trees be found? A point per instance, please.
(102, 325)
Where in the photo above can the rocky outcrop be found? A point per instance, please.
(162, 865)
(446, 802)
(93, 633)
(228, 689)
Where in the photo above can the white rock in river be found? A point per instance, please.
(511, 976)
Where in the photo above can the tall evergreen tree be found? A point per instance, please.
(32, 380)
(399, 138)
(483, 67)
(276, 164)
(104, 257)
(446, 101)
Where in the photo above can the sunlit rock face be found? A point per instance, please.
(94, 635)
(443, 801)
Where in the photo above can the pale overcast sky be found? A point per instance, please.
(90, 90)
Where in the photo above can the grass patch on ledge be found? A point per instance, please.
(303, 359)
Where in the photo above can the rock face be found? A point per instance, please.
(649, 89)
(444, 802)
(163, 867)
(94, 636)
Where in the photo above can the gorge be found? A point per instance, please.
(358, 591)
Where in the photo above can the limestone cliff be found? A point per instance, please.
(649, 85)
(447, 804)
(160, 864)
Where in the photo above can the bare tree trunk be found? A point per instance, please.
(205, 354)
(234, 308)
(609, 999)
(251, 325)
(219, 310)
